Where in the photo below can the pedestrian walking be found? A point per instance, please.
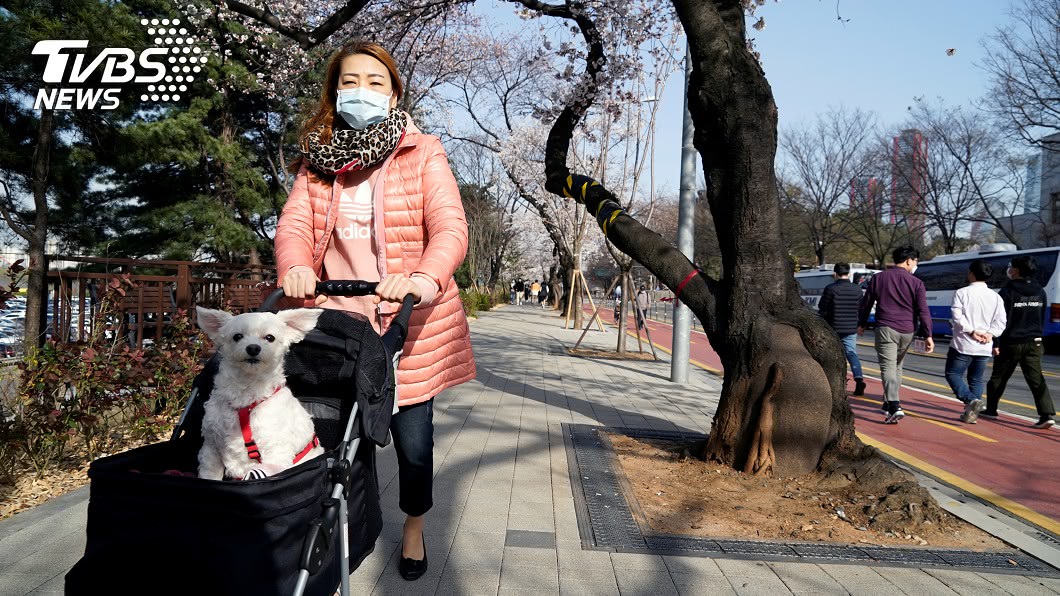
(535, 291)
(374, 198)
(901, 305)
(542, 296)
(1021, 342)
(978, 314)
(511, 292)
(642, 302)
(520, 286)
(838, 306)
(528, 290)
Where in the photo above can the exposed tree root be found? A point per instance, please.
(902, 505)
(761, 457)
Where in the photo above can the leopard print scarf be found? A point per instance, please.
(353, 149)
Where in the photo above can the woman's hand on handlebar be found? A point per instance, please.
(395, 287)
(301, 282)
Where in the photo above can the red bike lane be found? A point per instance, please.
(1004, 461)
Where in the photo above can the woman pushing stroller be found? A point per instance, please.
(375, 199)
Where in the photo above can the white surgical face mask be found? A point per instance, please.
(913, 268)
(361, 107)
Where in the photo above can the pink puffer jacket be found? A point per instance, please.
(425, 232)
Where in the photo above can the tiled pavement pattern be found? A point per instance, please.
(504, 520)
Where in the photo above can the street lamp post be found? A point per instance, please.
(685, 238)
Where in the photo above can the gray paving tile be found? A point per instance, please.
(639, 582)
(572, 556)
(531, 508)
(17, 584)
(585, 582)
(963, 582)
(701, 567)
(533, 579)
(458, 582)
(535, 523)
(494, 524)
(860, 579)
(530, 538)
(806, 578)
(638, 561)
(1052, 583)
(758, 585)
(690, 584)
(916, 581)
(1018, 585)
(742, 568)
(530, 557)
(477, 550)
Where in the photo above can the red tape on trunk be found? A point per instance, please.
(681, 286)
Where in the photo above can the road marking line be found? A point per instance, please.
(946, 387)
(945, 425)
(1017, 509)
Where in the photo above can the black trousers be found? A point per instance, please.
(413, 431)
(1029, 358)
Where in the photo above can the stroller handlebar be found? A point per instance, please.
(394, 337)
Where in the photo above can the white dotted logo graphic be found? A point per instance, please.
(76, 79)
(183, 63)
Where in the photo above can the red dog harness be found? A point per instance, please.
(248, 437)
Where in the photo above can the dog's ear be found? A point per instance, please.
(211, 321)
(299, 321)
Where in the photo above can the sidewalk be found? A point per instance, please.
(504, 520)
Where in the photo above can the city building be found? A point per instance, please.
(909, 180)
(1038, 225)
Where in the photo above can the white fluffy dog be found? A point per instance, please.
(252, 420)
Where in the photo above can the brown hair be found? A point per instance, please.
(325, 112)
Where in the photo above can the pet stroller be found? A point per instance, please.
(153, 528)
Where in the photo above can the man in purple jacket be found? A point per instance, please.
(901, 304)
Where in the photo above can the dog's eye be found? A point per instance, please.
(270, 338)
(237, 337)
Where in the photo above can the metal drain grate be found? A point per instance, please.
(606, 521)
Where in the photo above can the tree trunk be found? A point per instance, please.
(38, 266)
(783, 401)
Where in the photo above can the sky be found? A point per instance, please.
(885, 53)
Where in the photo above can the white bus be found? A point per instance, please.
(945, 274)
(812, 282)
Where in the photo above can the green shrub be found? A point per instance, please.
(476, 301)
(100, 391)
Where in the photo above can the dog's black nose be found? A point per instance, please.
(253, 349)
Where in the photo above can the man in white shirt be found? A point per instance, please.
(978, 315)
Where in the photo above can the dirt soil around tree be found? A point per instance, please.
(679, 494)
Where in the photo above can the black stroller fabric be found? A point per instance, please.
(151, 531)
(341, 354)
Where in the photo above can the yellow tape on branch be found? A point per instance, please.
(611, 219)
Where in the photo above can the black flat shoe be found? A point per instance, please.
(412, 569)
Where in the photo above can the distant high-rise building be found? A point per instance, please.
(867, 196)
(1032, 189)
(909, 179)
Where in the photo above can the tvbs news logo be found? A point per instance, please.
(166, 69)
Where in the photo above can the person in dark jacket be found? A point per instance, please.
(901, 305)
(839, 308)
(1021, 342)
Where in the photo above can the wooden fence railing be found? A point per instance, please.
(75, 284)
